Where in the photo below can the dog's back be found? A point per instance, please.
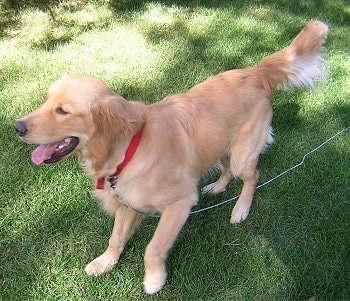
(227, 107)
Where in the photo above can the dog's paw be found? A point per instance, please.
(212, 189)
(154, 282)
(239, 214)
(100, 265)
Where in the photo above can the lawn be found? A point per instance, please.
(296, 242)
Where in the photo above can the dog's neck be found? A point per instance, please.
(129, 153)
(101, 154)
(110, 165)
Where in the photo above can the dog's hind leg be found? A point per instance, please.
(250, 177)
(225, 177)
(245, 152)
(125, 222)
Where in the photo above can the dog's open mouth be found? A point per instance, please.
(54, 152)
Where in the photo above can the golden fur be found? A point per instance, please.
(226, 118)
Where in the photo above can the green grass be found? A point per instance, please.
(295, 243)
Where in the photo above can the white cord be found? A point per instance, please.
(302, 162)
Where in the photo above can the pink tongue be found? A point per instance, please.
(43, 152)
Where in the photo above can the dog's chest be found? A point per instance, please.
(131, 200)
(132, 197)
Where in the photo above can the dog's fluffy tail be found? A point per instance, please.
(299, 65)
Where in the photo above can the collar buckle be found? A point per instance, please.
(112, 181)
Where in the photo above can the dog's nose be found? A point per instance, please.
(20, 128)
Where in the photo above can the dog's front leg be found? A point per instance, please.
(125, 222)
(171, 222)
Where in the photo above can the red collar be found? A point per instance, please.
(130, 151)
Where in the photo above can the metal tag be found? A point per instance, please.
(113, 181)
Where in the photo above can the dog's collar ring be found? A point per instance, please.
(112, 181)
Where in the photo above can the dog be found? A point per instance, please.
(148, 159)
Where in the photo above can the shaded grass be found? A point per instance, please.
(294, 245)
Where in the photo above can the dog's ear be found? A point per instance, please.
(113, 119)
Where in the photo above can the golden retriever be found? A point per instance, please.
(148, 159)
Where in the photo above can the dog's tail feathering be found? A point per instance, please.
(299, 65)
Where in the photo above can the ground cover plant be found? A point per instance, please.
(296, 242)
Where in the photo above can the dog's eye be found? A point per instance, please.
(59, 110)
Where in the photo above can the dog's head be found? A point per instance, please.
(80, 113)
